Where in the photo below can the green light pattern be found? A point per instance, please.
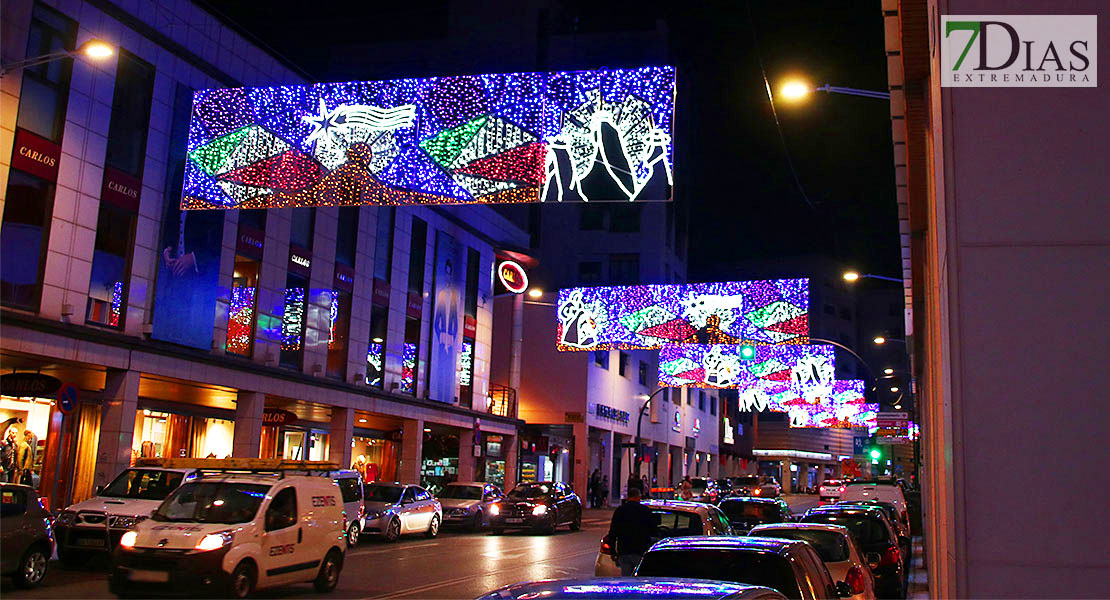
(444, 147)
(211, 156)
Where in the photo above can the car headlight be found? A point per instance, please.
(494, 509)
(127, 542)
(539, 510)
(66, 517)
(214, 541)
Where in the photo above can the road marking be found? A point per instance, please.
(391, 550)
(456, 580)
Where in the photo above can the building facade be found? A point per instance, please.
(298, 333)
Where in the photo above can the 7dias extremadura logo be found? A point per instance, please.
(1019, 51)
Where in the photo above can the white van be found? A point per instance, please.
(233, 532)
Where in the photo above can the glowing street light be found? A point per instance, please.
(94, 49)
(851, 276)
(888, 371)
(894, 389)
(535, 293)
(795, 90)
(854, 276)
(879, 340)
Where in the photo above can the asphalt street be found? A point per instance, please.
(454, 565)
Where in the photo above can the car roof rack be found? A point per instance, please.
(279, 467)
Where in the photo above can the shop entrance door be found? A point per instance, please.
(293, 445)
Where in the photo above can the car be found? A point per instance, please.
(396, 509)
(756, 485)
(790, 567)
(836, 547)
(632, 588)
(705, 490)
(467, 504)
(675, 518)
(747, 512)
(350, 485)
(96, 525)
(541, 506)
(830, 489)
(724, 486)
(898, 519)
(872, 491)
(229, 534)
(876, 537)
(26, 537)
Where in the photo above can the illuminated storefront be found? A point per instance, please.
(160, 434)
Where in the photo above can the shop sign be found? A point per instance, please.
(121, 189)
(381, 293)
(344, 279)
(276, 417)
(36, 155)
(613, 414)
(512, 276)
(676, 425)
(300, 261)
(470, 327)
(29, 385)
(574, 417)
(250, 242)
(415, 305)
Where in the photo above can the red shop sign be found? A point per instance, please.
(415, 305)
(121, 189)
(277, 417)
(36, 155)
(381, 293)
(470, 326)
(300, 261)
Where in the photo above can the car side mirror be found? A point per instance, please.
(99, 489)
(873, 560)
(843, 589)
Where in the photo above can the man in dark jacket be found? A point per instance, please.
(631, 531)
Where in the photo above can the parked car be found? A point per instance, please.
(724, 487)
(467, 504)
(876, 537)
(632, 588)
(97, 524)
(790, 567)
(747, 512)
(830, 489)
(350, 485)
(542, 506)
(705, 490)
(396, 509)
(898, 519)
(230, 534)
(26, 538)
(674, 518)
(756, 485)
(872, 491)
(836, 547)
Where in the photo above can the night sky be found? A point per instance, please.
(731, 170)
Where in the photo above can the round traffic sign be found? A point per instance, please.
(67, 397)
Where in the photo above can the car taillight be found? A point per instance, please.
(606, 547)
(756, 492)
(855, 579)
(841, 489)
(890, 557)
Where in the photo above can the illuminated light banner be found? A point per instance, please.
(507, 138)
(645, 317)
(846, 407)
(720, 365)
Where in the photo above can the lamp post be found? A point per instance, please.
(639, 425)
(796, 89)
(93, 48)
(853, 276)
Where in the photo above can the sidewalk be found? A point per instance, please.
(597, 516)
(919, 576)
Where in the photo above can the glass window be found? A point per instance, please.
(304, 224)
(417, 253)
(591, 217)
(346, 235)
(830, 545)
(462, 492)
(213, 502)
(624, 269)
(26, 226)
(589, 272)
(643, 378)
(111, 254)
(601, 358)
(144, 484)
(701, 399)
(282, 511)
(869, 531)
(422, 494)
(383, 493)
(242, 314)
(409, 352)
(350, 488)
(375, 350)
(383, 244)
(292, 321)
(740, 566)
(45, 92)
(339, 328)
(739, 510)
(13, 502)
(622, 365)
(624, 218)
(408, 496)
(712, 405)
(677, 523)
(127, 132)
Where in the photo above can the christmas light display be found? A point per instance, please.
(333, 316)
(374, 356)
(117, 303)
(720, 365)
(408, 368)
(515, 137)
(240, 320)
(466, 360)
(644, 317)
(292, 319)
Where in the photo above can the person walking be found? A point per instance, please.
(686, 489)
(9, 451)
(26, 458)
(604, 499)
(595, 489)
(646, 489)
(631, 531)
(635, 482)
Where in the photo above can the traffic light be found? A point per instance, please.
(747, 352)
(876, 454)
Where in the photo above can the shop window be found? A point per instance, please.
(110, 265)
(624, 269)
(161, 434)
(591, 217)
(26, 225)
(293, 321)
(589, 272)
(346, 236)
(409, 352)
(601, 359)
(643, 378)
(242, 311)
(622, 364)
(383, 244)
(338, 330)
(378, 458)
(375, 350)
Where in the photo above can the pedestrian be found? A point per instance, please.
(595, 489)
(9, 449)
(635, 482)
(646, 489)
(604, 499)
(686, 489)
(631, 531)
(26, 458)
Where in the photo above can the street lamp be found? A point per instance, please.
(639, 424)
(888, 371)
(796, 89)
(880, 340)
(853, 276)
(94, 49)
(535, 293)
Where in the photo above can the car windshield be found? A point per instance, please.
(741, 481)
(869, 530)
(738, 510)
(887, 508)
(830, 545)
(384, 493)
(675, 523)
(699, 485)
(528, 492)
(739, 566)
(143, 484)
(212, 502)
(462, 492)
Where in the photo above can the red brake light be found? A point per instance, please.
(606, 548)
(842, 488)
(855, 579)
(891, 556)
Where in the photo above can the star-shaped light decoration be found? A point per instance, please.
(325, 126)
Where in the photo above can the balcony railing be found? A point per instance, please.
(501, 401)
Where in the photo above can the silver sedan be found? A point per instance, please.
(467, 504)
(394, 509)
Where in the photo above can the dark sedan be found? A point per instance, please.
(745, 513)
(26, 540)
(540, 506)
(877, 539)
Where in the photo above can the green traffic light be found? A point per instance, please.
(747, 352)
(875, 454)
